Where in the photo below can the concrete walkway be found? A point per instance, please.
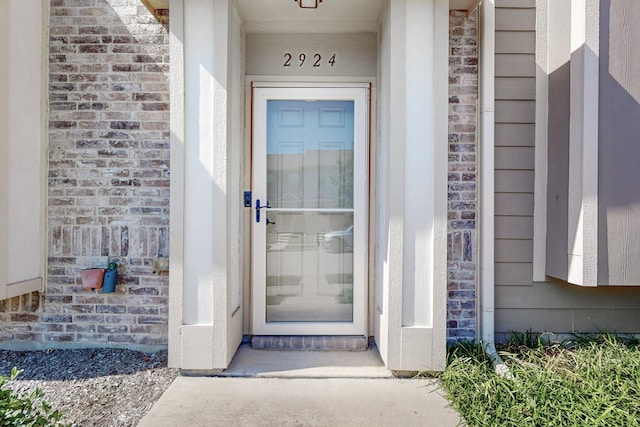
(304, 389)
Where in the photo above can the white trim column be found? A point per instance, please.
(202, 335)
(583, 143)
(415, 303)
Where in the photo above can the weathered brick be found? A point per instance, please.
(119, 38)
(80, 327)
(126, 68)
(92, 106)
(143, 320)
(121, 338)
(125, 125)
(143, 310)
(119, 319)
(144, 96)
(56, 318)
(51, 327)
(93, 68)
(88, 299)
(23, 317)
(462, 194)
(93, 29)
(58, 299)
(56, 337)
(111, 309)
(155, 106)
(112, 329)
(89, 318)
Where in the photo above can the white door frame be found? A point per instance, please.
(359, 94)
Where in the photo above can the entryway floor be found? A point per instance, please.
(302, 388)
(306, 364)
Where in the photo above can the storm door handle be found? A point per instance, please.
(258, 207)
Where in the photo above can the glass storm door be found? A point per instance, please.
(309, 213)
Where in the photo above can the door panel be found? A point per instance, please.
(309, 157)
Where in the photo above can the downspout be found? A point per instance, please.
(486, 178)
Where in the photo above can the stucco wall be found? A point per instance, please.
(108, 179)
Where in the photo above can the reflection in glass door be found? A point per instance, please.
(307, 222)
(310, 229)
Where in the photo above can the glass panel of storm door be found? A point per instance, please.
(309, 249)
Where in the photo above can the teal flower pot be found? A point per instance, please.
(110, 277)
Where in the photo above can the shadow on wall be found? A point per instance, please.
(618, 145)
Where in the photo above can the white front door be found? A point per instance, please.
(309, 214)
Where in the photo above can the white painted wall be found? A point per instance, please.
(355, 54)
(23, 105)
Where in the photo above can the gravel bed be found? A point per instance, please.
(93, 387)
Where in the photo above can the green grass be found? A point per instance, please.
(590, 381)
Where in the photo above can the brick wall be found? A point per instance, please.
(463, 196)
(108, 179)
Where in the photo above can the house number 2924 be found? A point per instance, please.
(316, 60)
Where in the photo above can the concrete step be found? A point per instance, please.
(249, 362)
(206, 401)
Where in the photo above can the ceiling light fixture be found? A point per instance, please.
(308, 4)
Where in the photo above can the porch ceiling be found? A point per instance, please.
(332, 15)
